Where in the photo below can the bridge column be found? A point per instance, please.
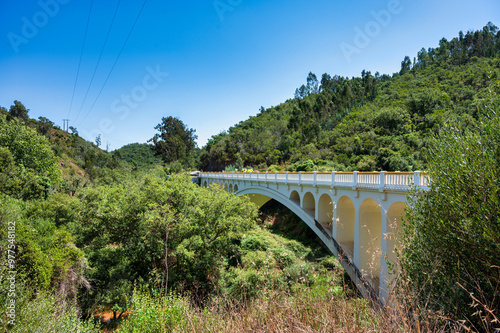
(384, 270)
(356, 235)
(335, 221)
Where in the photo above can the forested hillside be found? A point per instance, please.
(138, 155)
(372, 122)
(88, 233)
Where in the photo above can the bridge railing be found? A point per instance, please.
(397, 181)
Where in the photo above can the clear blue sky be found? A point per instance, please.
(210, 63)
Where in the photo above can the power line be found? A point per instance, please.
(116, 60)
(81, 56)
(99, 60)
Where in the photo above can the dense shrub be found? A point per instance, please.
(451, 242)
(28, 166)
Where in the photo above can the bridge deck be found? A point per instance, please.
(395, 181)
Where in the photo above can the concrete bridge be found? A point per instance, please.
(355, 214)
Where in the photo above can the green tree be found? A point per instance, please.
(44, 125)
(405, 65)
(74, 131)
(18, 110)
(451, 241)
(49, 269)
(312, 83)
(149, 230)
(141, 154)
(175, 141)
(98, 140)
(28, 166)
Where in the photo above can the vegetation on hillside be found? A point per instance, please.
(450, 247)
(87, 231)
(138, 155)
(367, 123)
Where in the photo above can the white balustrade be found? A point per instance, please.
(400, 181)
(307, 177)
(324, 178)
(424, 180)
(369, 179)
(281, 176)
(344, 178)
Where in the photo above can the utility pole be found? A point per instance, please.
(66, 125)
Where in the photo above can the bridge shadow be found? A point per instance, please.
(287, 224)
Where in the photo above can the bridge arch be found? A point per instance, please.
(257, 193)
(345, 222)
(309, 204)
(395, 216)
(295, 197)
(325, 211)
(370, 232)
(230, 188)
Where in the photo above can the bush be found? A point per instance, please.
(28, 166)
(128, 232)
(155, 314)
(173, 168)
(274, 168)
(306, 166)
(230, 168)
(59, 208)
(43, 312)
(244, 284)
(253, 243)
(258, 260)
(451, 241)
(283, 257)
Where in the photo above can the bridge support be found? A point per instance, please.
(358, 220)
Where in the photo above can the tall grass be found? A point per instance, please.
(303, 311)
(43, 312)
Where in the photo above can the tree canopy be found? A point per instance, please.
(28, 166)
(175, 141)
(19, 111)
(146, 230)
